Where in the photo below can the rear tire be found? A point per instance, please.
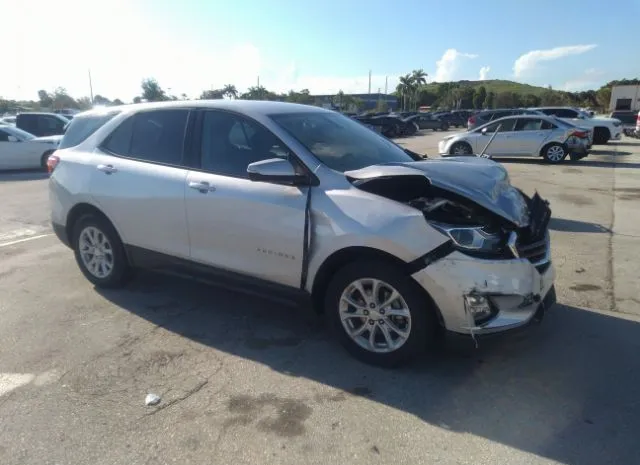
(353, 326)
(444, 127)
(554, 153)
(43, 160)
(601, 135)
(99, 252)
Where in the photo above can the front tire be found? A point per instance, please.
(460, 148)
(379, 314)
(99, 252)
(554, 153)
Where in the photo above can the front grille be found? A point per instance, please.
(537, 252)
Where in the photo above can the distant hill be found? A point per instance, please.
(498, 85)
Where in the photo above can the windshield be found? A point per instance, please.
(19, 133)
(339, 142)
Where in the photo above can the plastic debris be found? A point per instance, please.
(152, 399)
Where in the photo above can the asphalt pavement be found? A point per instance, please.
(246, 381)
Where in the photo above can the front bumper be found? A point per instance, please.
(516, 289)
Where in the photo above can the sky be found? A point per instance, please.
(324, 46)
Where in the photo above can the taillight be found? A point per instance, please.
(581, 134)
(52, 162)
(471, 120)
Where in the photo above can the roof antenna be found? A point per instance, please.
(481, 154)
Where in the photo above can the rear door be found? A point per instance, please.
(252, 228)
(11, 153)
(529, 135)
(139, 181)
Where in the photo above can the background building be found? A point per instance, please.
(625, 98)
(366, 101)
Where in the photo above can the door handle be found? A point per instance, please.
(202, 186)
(107, 169)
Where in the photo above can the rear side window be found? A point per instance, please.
(81, 127)
(155, 136)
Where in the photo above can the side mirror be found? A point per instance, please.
(276, 171)
(13, 139)
(484, 131)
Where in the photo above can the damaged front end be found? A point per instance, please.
(498, 274)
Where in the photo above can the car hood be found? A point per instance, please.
(480, 180)
(52, 139)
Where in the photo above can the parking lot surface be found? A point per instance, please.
(246, 381)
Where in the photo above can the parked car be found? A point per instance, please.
(522, 135)
(390, 126)
(627, 118)
(429, 122)
(307, 203)
(604, 129)
(21, 150)
(483, 117)
(454, 118)
(8, 120)
(41, 124)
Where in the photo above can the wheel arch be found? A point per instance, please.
(553, 142)
(81, 209)
(342, 257)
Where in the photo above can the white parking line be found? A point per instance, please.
(25, 239)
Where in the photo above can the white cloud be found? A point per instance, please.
(447, 66)
(590, 79)
(484, 71)
(527, 62)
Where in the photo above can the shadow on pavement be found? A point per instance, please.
(566, 390)
(562, 224)
(577, 164)
(23, 175)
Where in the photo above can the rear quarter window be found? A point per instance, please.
(81, 127)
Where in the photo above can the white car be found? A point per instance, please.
(521, 135)
(604, 129)
(298, 201)
(8, 120)
(22, 150)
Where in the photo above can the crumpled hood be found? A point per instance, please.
(481, 180)
(52, 139)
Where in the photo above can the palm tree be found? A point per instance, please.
(405, 88)
(419, 78)
(230, 91)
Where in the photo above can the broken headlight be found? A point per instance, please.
(472, 239)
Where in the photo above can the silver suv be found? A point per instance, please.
(307, 203)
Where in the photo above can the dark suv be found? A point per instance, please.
(486, 116)
(41, 124)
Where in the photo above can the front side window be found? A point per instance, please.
(567, 113)
(231, 143)
(155, 136)
(505, 125)
(340, 142)
(50, 123)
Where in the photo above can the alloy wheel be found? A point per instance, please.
(96, 252)
(375, 315)
(555, 153)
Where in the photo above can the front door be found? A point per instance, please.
(138, 181)
(12, 154)
(503, 144)
(252, 228)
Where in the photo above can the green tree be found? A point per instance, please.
(229, 90)
(215, 94)
(603, 96)
(137, 99)
(45, 100)
(117, 101)
(151, 91)
(490, 100)
(405, 89)
(61, 99)
(550, 97)
(531, 100)
(100, 100)
(479, 97)
(303, 96)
